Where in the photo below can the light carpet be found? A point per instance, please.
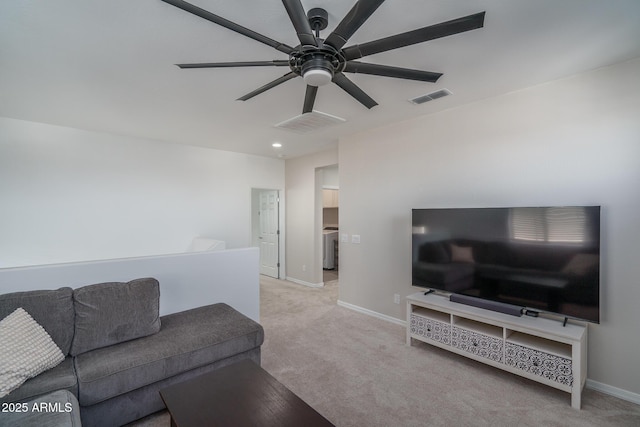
(357, 371)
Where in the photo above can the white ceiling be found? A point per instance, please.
(108, 65)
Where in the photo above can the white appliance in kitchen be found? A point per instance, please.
(329, 242)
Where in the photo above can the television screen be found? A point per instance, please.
(541, 258)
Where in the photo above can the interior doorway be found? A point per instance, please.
(330, 224)
(265, 221)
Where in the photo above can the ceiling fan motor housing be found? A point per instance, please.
(316, 64)
(318, 18)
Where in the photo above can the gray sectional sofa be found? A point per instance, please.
(120, 352)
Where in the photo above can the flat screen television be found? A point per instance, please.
(544, 259)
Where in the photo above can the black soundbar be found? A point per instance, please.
(501, 307)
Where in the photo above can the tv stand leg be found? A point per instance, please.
(429, 291)
(575, 399)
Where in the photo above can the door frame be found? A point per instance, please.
(320, 184)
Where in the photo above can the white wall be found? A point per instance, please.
(71, 195)
(304, 216)
(574, 141)
(331, 177)
(186, 280)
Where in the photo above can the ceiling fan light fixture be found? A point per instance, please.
(317, 77)
(317, 72)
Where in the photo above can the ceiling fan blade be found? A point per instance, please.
(309, 99)
(188, 7)
(277, 63)
(300, 22)
(387, 71)
(353, 90)
(420, 35)
(268, 86)
(358, 14)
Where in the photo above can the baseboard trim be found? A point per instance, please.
(613, 391)
(372, 313)
(303, 283)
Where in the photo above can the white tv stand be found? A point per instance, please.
(540, 349)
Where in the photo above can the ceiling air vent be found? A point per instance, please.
(310, 122)
(430, 96)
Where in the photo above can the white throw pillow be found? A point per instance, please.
(26, 350)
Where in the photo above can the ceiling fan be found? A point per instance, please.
(321, 61)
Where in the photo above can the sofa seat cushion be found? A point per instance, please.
(61, 377)
(187, 340)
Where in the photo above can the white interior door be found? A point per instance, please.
(269, 233)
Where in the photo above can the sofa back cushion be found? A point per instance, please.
(52, 309)
(110, 313)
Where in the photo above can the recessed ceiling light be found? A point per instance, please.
(276, 145)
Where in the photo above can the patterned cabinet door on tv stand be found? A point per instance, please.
(540, 349)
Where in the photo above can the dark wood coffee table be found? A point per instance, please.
(241, 394)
